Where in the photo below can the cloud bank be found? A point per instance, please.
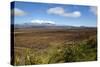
(18, 12)
(42, 21)
(61, 12)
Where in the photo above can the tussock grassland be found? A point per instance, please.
(54, 46)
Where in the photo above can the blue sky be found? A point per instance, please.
(59, 14)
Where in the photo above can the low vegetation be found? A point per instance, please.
(48, 47)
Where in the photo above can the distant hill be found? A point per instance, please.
(47, 26)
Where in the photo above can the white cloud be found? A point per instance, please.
(42, 21)
(73, 14)
(18, 12)
(60, 11)
(93, 10)
(56, 10)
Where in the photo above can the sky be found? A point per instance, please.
(59, 14)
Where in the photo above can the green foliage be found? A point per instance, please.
(84, 51)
